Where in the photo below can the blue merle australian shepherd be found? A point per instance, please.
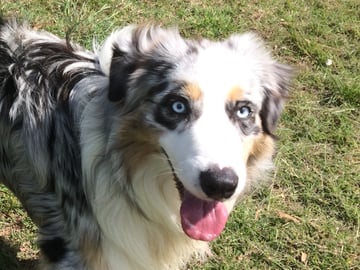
(133, 156)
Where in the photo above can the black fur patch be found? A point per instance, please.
(2, 21)
(270, 113)
(54, 249)
(120, 70)
(8, 89)
(45, 77)
(124, 64)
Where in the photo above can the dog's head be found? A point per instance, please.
(214, 107)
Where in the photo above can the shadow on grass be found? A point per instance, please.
(9, 261)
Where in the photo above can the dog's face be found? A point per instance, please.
(212, 105)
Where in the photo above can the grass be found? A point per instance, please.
(309, 217)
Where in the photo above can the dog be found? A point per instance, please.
(132, 156)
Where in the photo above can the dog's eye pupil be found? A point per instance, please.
(243, 112)
(178, 107)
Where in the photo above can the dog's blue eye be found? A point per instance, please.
(243, 112)
(179, 107)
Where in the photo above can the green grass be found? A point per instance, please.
(309, 217)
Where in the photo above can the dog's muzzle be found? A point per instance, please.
(205, 219)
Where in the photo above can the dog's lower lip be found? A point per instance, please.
(180, 187)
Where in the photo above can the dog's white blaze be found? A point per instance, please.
(219, 69)
(212, 139)
(196, 149)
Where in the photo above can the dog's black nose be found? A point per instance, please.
(218, 183)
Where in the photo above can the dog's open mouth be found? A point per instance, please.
(200, 219)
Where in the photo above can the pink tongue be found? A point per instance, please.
(202, 220)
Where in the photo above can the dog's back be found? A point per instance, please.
(39, 140)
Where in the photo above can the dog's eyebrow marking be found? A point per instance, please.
(193, 91)
(236, 93)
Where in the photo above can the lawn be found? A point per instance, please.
(308, 218)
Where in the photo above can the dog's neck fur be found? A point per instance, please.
(125, 190)
(160, 240)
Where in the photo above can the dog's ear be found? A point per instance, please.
(128, 49)
(275, 83)
(274, 77)
(117, 59)
(121, 67)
